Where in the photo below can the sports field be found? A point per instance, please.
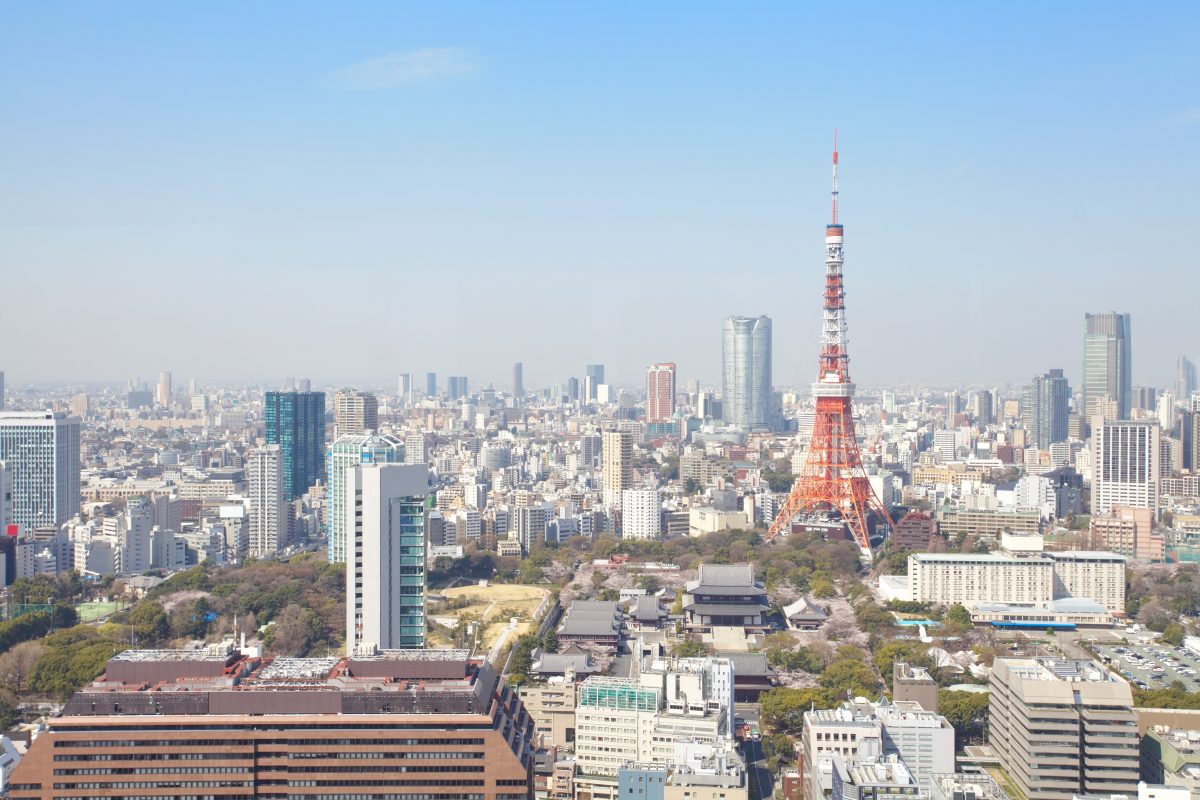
(90, 612)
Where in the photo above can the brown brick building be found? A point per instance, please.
(397, 725)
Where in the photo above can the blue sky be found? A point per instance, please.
(348, 191)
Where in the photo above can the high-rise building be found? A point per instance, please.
(266, 473)
(1189, 430)
(1107, 370)
(384, 509)
(1063, 728)
(456, 387)
(405, 725)
(746, 361)
(41, 449)
(617, 457)
(431, 384)
(573, 389)
(660, 392)
(1186, 380)
(593, 377)
(1126, 466)
(296, 422)
(518, 380)
(1, 390)
(346, 453)
(404, 388)
(983, 407)
(136, 537)
(1045, 408)
(355, 413)
(641, 514)
(162, 395)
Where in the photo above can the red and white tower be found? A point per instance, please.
(833, 476)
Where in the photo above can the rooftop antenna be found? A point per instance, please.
(835, 188)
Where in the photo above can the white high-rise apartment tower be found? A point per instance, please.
(41, 449)
(641, 514)
(1126, 467)
(268, 504)
(385, 558)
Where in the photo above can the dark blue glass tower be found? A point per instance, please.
(296, 422)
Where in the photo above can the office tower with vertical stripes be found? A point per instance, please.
(746, 363)
(384, 511)
(1107, 366)
(296, 422)
(41, 450)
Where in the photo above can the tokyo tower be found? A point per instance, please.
(833, 476)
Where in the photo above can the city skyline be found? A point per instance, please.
(294, 158)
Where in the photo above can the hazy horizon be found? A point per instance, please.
(241, 193)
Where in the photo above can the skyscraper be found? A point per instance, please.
(1107, 371)
(404, 388)
(1045, 409)
(163, 394)
(456, 386)
(41, 449)
(518, 380)
(431, 384)
(660, 392)
(617, 458)
(1126, 465)
(593, 376)
(384, 510)
(1186, 380)
(641, 514)
(355, 413)
(1, 390)
(346, 453)
(746, 359)
(296, 422)
(268, 512)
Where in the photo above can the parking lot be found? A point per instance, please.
(1153, 666)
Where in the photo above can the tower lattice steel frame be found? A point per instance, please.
(833, 475)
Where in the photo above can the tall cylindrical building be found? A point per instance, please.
(746, 358)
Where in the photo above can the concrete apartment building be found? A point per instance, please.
(1001, 577)
(864, 732)
(617, 459)
(222, 723)
(1062, 728)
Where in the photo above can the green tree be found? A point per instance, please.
(967, 712)
(690, 648)
(294, 632)
(957, 614)
(910, 652)
(783, 708)
(822, 587)
(1173, 634)
(150, 622)
(847, 677)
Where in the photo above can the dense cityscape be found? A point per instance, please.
(672, 570)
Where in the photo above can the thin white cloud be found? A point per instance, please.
(398, 70)
(1189, 116)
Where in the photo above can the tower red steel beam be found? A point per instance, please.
(833, 476)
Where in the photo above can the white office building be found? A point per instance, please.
(41, 449)
(385, 556)
(346, 453)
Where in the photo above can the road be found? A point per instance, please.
(762, 782)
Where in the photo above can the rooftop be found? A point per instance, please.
(220, 679)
